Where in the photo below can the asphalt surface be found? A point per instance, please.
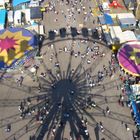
(65, 93)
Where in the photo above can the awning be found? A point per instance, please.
(2, 16)
(134, 107)
(36, 13)
(101, 19)
(108, 19)
(138, 119)
(17, 2)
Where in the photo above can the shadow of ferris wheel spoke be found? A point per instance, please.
(10, 102)
(43, 129)
(53, 42)
(16, 118)
(107, 133)
(76, 102)
(50, 74)
(78, 73)
(31, 125)
(24, 88)
(57, 60)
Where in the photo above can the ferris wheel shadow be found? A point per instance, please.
(64, 94)
(67, 105)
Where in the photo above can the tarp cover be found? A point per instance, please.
(134, 107)
(17, 2)
(2, 16)
(36, 13)
(108, 19)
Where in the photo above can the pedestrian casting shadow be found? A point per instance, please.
(63, 111)
(96, 131)
(84, 35)
(66, 103)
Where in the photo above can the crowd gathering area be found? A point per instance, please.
(69, 70)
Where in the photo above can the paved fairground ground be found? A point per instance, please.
(74, 92)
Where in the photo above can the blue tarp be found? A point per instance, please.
(2, 16)
(108, 19)
(138, 119)
(136, 112)
(16, 2)
(134, 107)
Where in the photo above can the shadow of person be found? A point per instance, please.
(25, 48)
(96, 131)
(11, 56)
(23, 45)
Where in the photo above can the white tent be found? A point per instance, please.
(27, 15)
(129, 35)
(117, 34)
(126, 20)
(10, 16)
(17, 17)
(2, 4)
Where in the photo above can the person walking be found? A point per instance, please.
(26, 128)
(101, 127)
(127, 128)
(21, 80)
(106, 100)
(107, 110)
(134, 135)
(104, 113)
(39, 86)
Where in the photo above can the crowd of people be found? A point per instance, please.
(93, 54)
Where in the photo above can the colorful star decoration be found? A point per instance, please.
(13, 45)
(134, 56)
(7, 43)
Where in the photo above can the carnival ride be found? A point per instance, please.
(129, 57)
(16, 46)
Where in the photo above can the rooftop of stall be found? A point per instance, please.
(17, 2)
(2, 18)
(106, 19)
(36, 13)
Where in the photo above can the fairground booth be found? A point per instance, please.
(129, 59)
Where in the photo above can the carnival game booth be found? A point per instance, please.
(17, 45)
(129, 58)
